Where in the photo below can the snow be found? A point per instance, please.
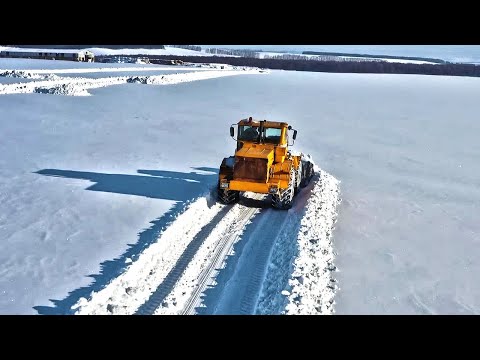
(126, 292)
(406, 61)
(311, 286)
(167, 51)
(105, 51)
(197, 269)
(188, 256)
(80, 86)
(96, 190)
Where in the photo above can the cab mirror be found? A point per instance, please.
(232, 131)
(294, 134)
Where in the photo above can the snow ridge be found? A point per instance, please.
(299, 277)
(77, 86)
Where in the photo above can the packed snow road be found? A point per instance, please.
(245, 258)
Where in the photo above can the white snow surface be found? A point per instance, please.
(91, 184)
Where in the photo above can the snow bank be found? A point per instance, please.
(312, 285)
(27, 74)
(76, 86)
(299, 278)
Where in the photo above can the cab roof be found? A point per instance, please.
(256, 122)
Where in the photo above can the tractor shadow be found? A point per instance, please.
(157, 184)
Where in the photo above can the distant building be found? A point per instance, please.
(49, 54)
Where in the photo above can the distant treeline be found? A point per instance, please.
(234, 52)
(322, 53)
(314, 58)
(377, 67)
(218, 51)
(188, 47)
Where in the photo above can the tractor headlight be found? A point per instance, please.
(273, 189)
(224, 185)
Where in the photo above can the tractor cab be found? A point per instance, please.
(262, 132)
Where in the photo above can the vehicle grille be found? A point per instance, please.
(250, 168)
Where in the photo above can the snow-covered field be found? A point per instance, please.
(105, 200)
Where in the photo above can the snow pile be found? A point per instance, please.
(63, 89)
(181, 78)
(223, 66)
(77, 86)
(312, 286)
(61, 86)
(298, 279)
(25, 74)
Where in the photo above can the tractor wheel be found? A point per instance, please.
(284, 198)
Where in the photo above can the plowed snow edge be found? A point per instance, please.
(299, 278)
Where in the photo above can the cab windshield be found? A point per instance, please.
(272, 135)
(248, 133)
(251, 133)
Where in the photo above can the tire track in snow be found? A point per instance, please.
(158, 296)
(292, 252)
(241, 284)
(285, 230)
(130, 290)
(273, 219)
(221, 243)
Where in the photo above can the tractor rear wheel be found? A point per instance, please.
(307, 173)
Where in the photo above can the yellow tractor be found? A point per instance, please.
(263, 164)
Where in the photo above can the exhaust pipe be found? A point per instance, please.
(261, 129)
